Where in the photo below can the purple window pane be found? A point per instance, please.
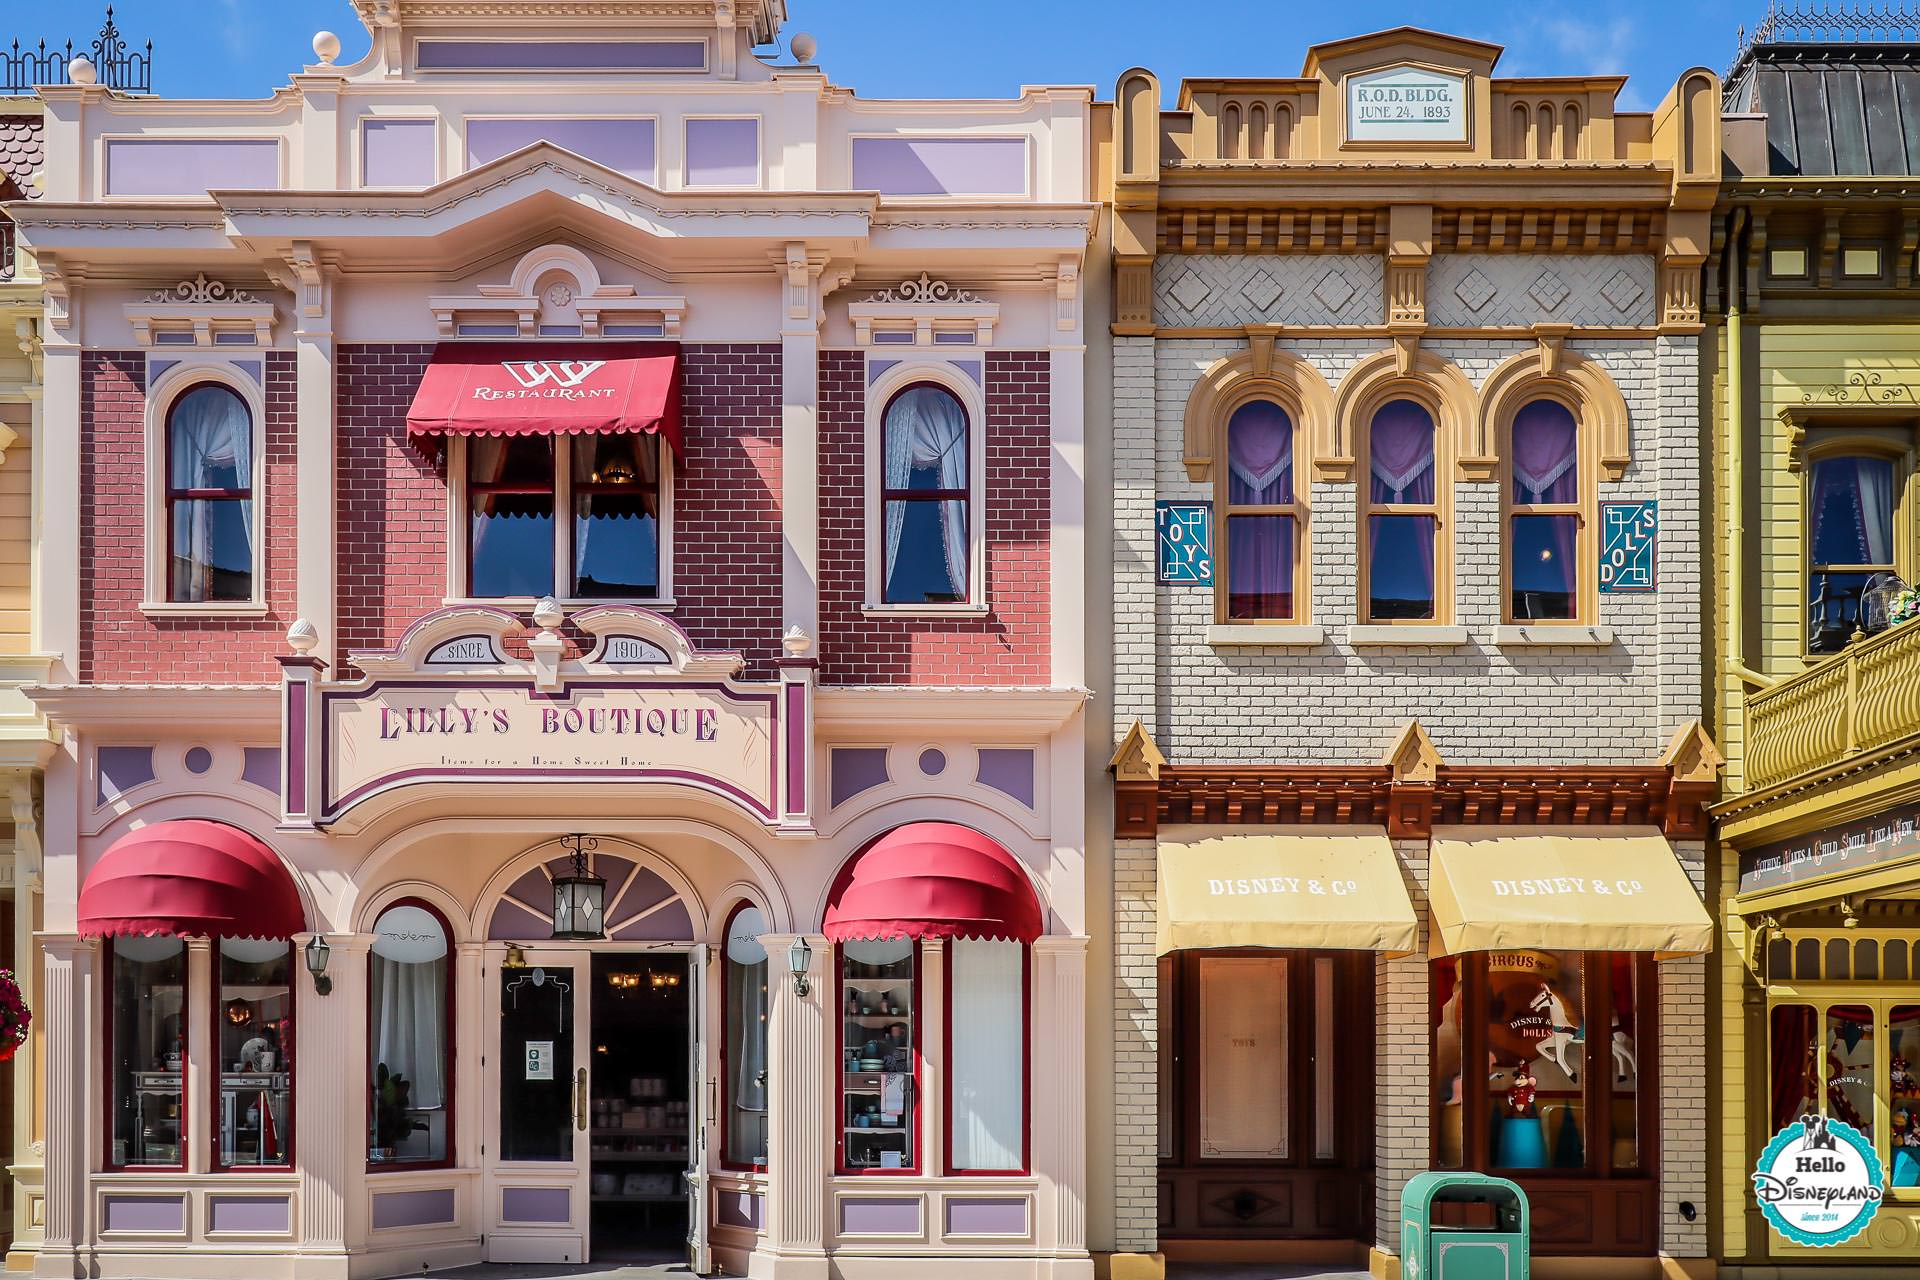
(1400, 448)
(1545, 454)
(1852, 511)
(1400, 567)
(940, 166)
(1259, 567)
(622, 145)
(1545, 570)
(1259, 455)
(397, 153)
(723, 153)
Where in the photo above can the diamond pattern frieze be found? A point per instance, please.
(1475, 290)
(1622, 290)
(1190, 291)
(1549, 290)
(1262, 290)
(1333, 290)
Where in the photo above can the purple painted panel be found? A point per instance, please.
(983, 1217)
(796, 748)
(266, 1215)
(623, 145)
(737, 1209)
(155, 368)
(723, 153)
(1008, 770)
(647, 889)
(297, 697)
(877, 367)
(119, 770)
(190, 166)
(535, 1204)
(969, 367)
(879, 1215)
(512, 921)
(856, 769)
(669, 924)
(425, 1208)
(561, 55)
(151, 1214)
(396, 153)
(941, 166)
(262, 768)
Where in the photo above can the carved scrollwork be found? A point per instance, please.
(1861, 387)
(200, 289)
(924, 290)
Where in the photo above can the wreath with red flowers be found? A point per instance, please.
(15, 1017)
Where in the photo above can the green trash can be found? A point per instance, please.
(1463, 1226)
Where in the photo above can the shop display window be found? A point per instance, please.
(610, 546)
(1853, 1060)
(1903, 1094)
(1263, 514)
(744, 1081)
(209, 496)
(879, 999)
(146, 1052)
(410, 1039)
(253, 1029)
(987, 1085)
(1794, 1071)
(1850, 1046)
(924, 498)
(1401, 514)
(1544, 513)
(1556, 1092)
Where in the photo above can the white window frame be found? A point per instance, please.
(972, 397)
(457, 511)
(189, 373)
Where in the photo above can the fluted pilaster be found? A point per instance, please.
(798, 1155)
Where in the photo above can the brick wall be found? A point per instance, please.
(1010, 645)
(725, 509)
(118, 643)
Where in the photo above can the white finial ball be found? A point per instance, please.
(797, 641)
(804, 46)
(326, 47)
(302, 636)
(547, 614)
(80, 70)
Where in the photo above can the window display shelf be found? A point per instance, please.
(877, 1128)
(881, 1020)
(669, 1132)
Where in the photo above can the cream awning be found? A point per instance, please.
(1563, 889)
(1282, 887)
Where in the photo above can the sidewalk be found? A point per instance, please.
(1259, 1271)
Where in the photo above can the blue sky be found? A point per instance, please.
(985, 48)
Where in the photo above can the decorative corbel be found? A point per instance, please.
(1413, 768)
(1260, 347)
(1553, 343)
(1758, 931)
(1829, 247)
(1066, 288)
(1406, 349)
(1794, 431)
(1136, 768)
(307, 279)
(799, 270)
(56, 284)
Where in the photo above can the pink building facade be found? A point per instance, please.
(562, 552)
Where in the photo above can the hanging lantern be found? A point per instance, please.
(579, 897)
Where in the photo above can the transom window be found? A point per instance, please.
(210, 542)
(1544, 514)
(925, 498)
(610, 545)
(1401, 514)
(1850, 538)
(1264, 524)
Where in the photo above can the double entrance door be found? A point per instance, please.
(597, 1094)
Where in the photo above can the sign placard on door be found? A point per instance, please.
(539, 1059)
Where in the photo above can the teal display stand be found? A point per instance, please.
(1522, 1145)
(1906, 1168)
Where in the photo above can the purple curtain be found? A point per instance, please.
(1401, 446)
(1545, 456)
(1260, 567)
(1259, 455)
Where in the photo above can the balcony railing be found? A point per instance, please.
(1860, 699)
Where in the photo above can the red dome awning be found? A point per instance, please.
(513, 389)
(933, 880)
(192, 877)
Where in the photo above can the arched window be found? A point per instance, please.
(744, 1059)
(210, 542)
(1545, 515)
(1401, 515)
(925, 499)
(410, 1039)
(1851, 498)
(254, 1042)
(1264, 525)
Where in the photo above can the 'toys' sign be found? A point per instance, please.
(1819, 1181)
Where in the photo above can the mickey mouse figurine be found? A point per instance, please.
(1520, 1092)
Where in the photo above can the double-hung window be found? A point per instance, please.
(1401, 515)
(1544, 515)
(209, 497)
(1263, 515)
(1850, 538)
(581, 516)
(925, 499)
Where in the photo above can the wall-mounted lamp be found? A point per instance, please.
(318, 953)
(800, 963)
(516, 958)
(579, 897)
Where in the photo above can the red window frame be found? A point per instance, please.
(1026, 1070)
(449, 1057)
(176, 495)
(472, 488)
(916, 1133)
(106, 1076)
(290, 1049)
(726, 1076)
(964, 494)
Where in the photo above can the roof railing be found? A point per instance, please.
(114, 64)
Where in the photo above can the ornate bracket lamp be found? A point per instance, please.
(579, 897)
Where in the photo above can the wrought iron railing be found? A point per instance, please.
(1855, 702)
(114, 64)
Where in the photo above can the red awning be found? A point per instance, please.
(190, 877)
(933, 880)
(512, 389)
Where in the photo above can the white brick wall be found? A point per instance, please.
(1136, 1047)
(1402, 1049)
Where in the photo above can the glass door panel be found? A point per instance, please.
(536, 1153)
(537, 1077)
(1243, 1057)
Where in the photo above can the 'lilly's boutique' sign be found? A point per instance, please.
(446, 707)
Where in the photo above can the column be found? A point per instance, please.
(71, 1080)
(799, 1154)
(28, 1152)
(200, 1072)
(314, 448)
(1059, 1120)
(330, 1094)
(799, 441)
(56, 500)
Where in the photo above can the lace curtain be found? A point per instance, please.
(926, 448)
